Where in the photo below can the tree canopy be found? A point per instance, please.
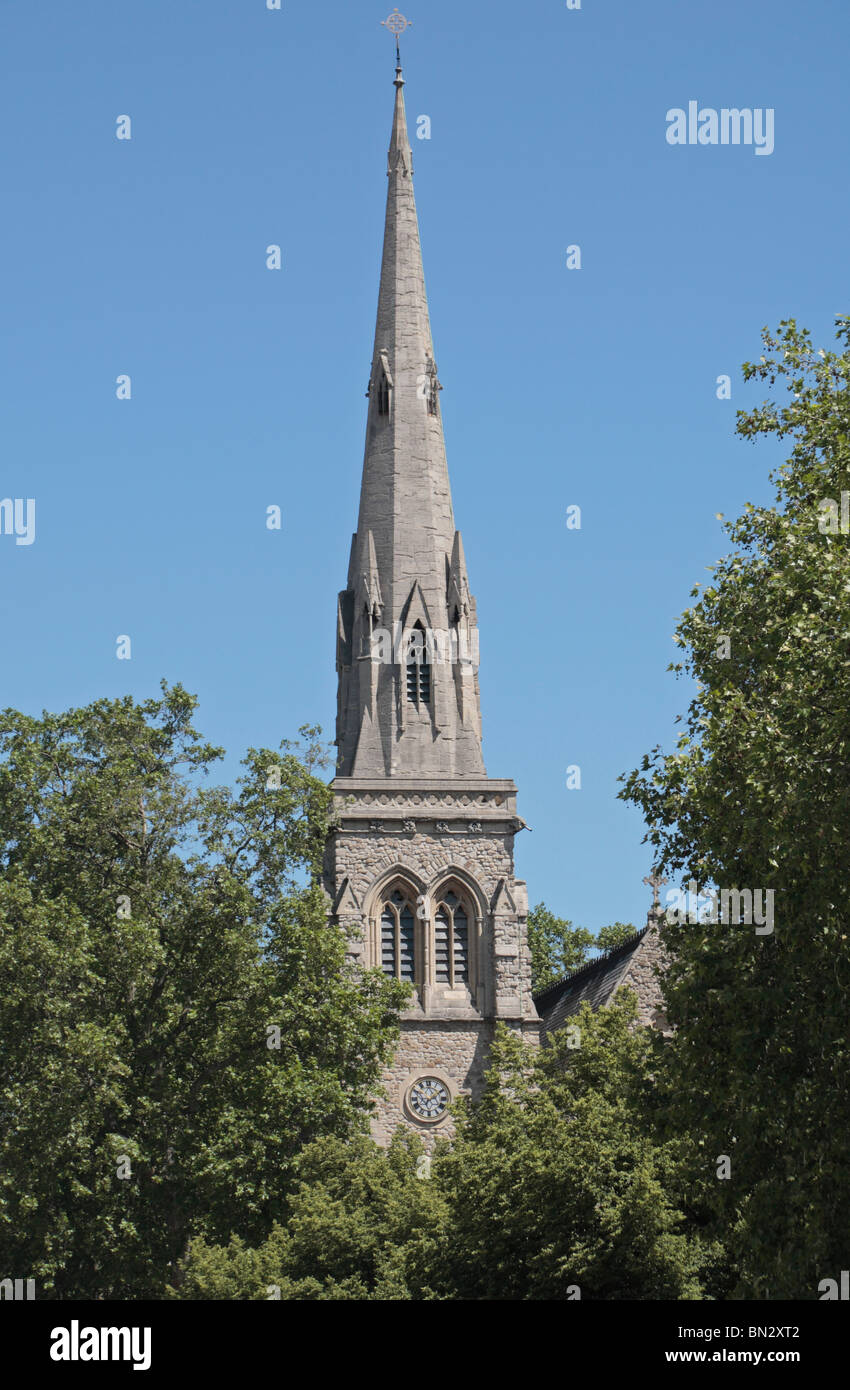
(553, 1188)
(557, 947)
(177, 1020)
(757, 797)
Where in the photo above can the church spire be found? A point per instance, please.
(407, 575)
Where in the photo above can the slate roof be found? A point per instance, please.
(596, 982)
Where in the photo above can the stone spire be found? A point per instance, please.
(407, 573)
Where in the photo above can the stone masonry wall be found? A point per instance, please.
(455, 1052)
(642, 976)
(362, 858)
(431, 834)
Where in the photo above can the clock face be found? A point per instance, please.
(428, 1098)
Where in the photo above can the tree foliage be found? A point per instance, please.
(363, 1223)
(610, 937)
(557, 947)
(757, 796)
(153, 929)
(555, 1184)
(553, 1189)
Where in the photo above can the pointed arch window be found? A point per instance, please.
(451, 941)
(383, 383)
(418, 668)
(398, 937)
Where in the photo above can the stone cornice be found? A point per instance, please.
(389, 786)
(471, 807)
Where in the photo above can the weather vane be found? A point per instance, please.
(396, 23)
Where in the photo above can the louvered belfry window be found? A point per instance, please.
(418, 669)
(398, 937)
(451, 941)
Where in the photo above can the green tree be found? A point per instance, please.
(363, 1223)
(556, 946)
(757, 797)
(608, 938)
(555, 1184)
(154, 933)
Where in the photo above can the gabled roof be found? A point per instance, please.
(595, 982)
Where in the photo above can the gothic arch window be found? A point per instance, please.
(383, 383)
(451, 940)
(429, 939)
(398, 936)
(417, 668)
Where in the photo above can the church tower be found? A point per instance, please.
(420, 860)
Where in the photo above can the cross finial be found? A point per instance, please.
(396, 23)
(655, 882)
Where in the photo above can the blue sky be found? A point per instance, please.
(593, 387)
